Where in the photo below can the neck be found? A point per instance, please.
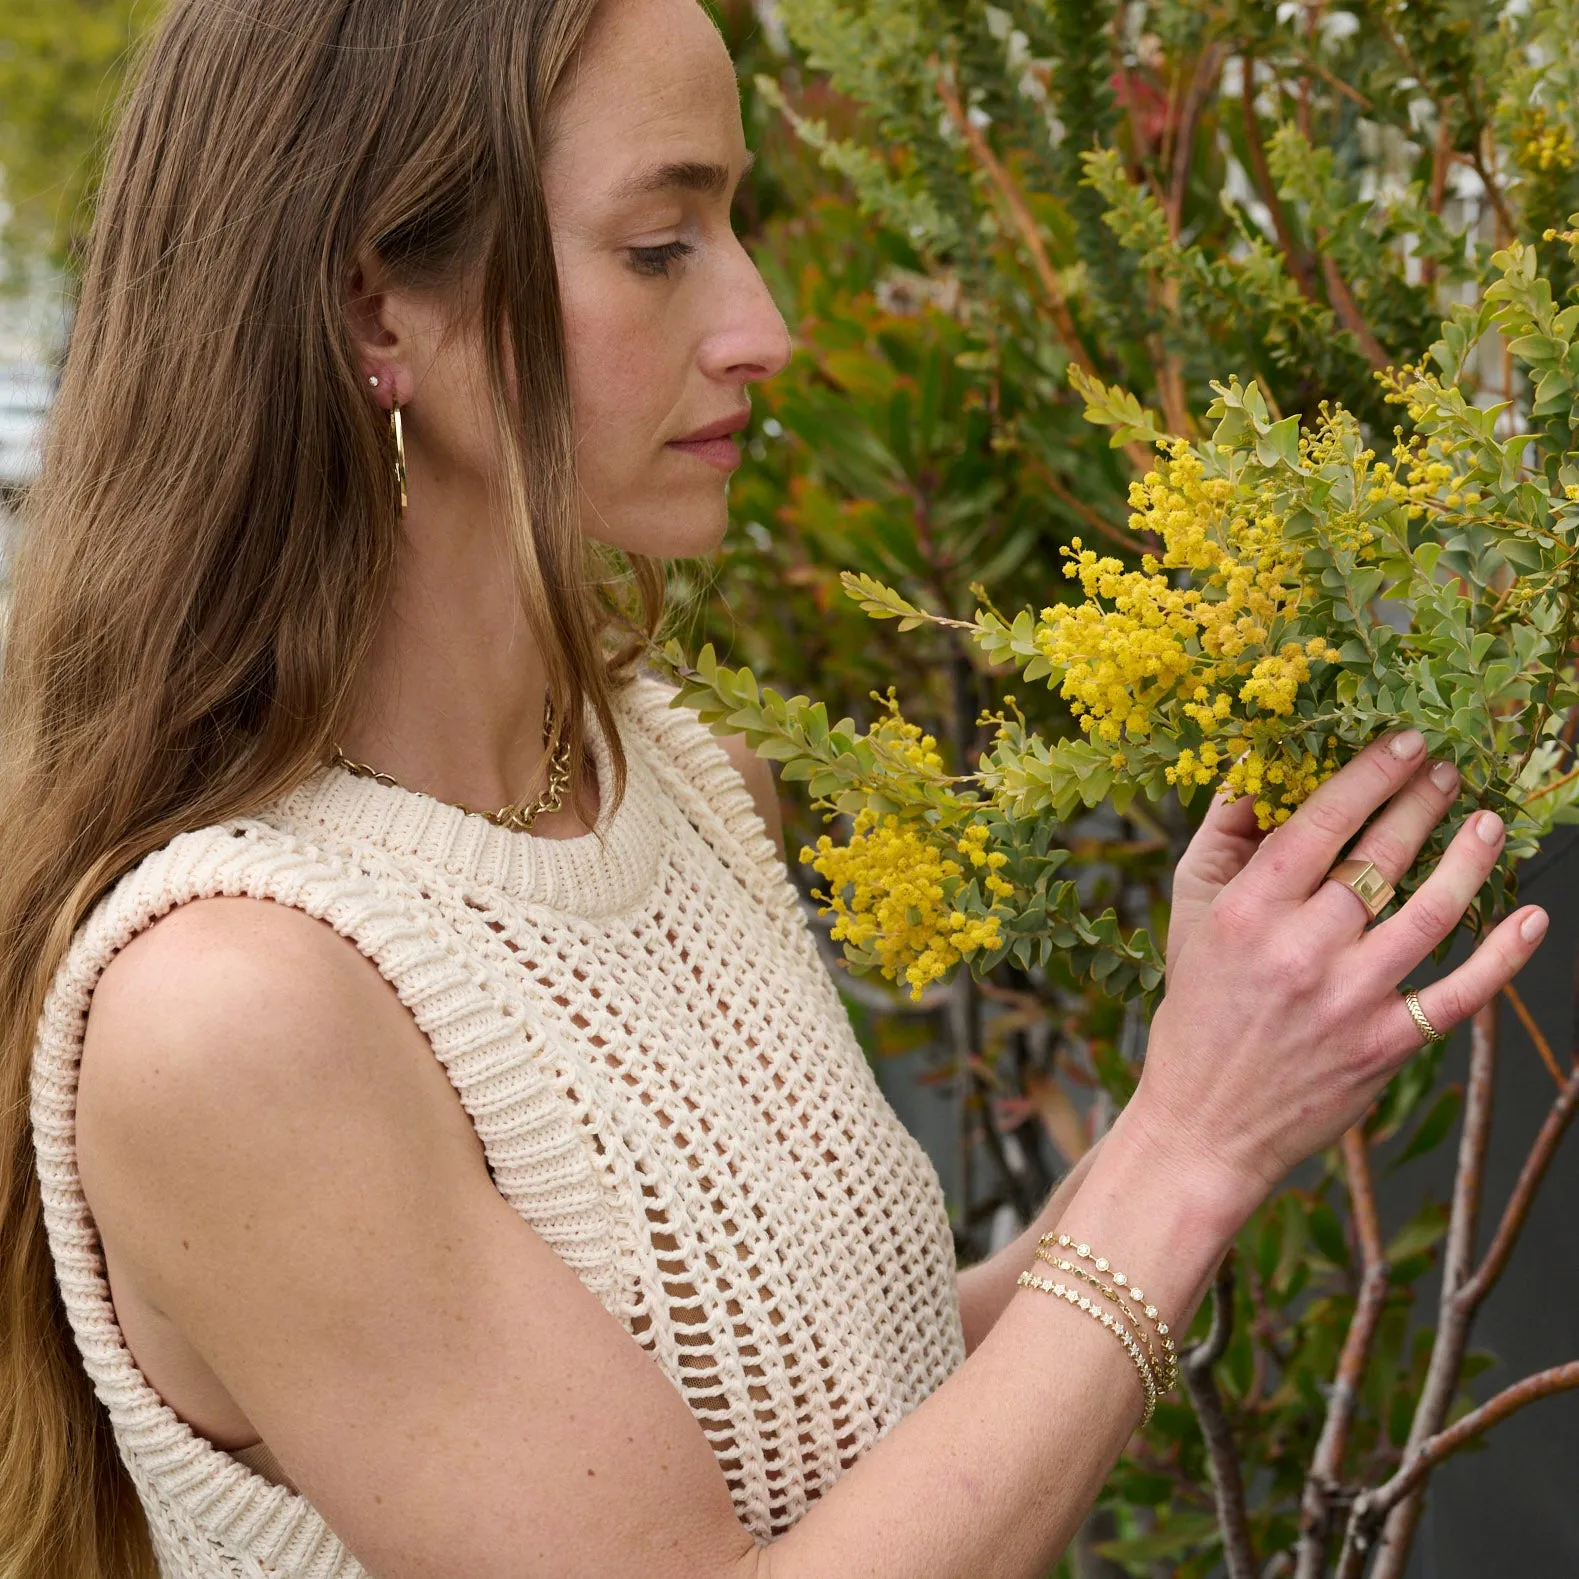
(451, 700)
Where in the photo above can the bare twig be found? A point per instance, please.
(1552, 1130)
(1441, 152)
(1557, 783)
(1140, 456)
(1195, 1371)
(1527, 1020)
(1371, 1505)
(1454, 1315)
(1294, 259)
(1180, 143)
(1024, 221)
(1208, 67)
(1092, 518)
(1349, 314)
(1493, 190)
(1326, 1468)
(1309, 62)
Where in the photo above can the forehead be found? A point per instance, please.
(654, 86)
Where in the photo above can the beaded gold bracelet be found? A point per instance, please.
(1064, 1242)
(1120, 1290)
(1164, 1368)
(1117, 1328)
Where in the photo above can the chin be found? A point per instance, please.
(677, 534)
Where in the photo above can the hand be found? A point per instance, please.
(1283, 1020)
(1228, 836)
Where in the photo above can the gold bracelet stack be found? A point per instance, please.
(1157, 1364)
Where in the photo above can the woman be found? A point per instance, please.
(366, 1130)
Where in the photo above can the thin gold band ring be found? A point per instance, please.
(1427, 1029)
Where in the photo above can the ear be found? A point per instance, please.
(372, 316)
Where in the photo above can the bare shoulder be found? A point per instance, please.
(268, 984)
(272, 1137)
(224, 1035)
(758, 774)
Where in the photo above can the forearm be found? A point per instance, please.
(992, 1474)
(986, 1288)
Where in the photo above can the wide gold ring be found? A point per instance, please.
(1427, 1029)
(1362, 879)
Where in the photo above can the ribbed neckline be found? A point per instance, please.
(594, 874)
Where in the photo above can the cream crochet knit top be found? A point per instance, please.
(666, 1087)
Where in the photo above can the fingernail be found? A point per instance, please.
(1444, 775)
(1533, 927)
(1489, 827)
(1408, 744)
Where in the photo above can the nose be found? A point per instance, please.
(755, 341)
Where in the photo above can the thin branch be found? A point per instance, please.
(1326, 1468)
(1180, 142)
(1527, 1020)
(1294, 259)
(1493, 191)
(1308, 62)
(1208, 67)
(1302, 105)
(1557, 783)
(1552, 1130)
(1195, 1371)
(1349, 314)
(1140, 456)
(1441, 152)
(1024, 221)
(1092, 518)
(1453, 1318)
(1371, 1505)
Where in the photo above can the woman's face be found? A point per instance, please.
(667, 319)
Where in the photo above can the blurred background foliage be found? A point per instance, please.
(953, 204)
(61, 62)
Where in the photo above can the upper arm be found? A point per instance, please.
(270, 1146)
(758, 774)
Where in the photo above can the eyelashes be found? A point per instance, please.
(654, 261)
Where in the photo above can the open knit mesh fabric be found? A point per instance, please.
(666, 1087)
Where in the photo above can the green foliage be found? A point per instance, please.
(61, 63)
(1090, 228)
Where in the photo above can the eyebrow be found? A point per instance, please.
(687, 175)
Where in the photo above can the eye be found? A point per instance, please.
(655, 261)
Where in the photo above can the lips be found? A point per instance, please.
(717, 430)
(715, 443)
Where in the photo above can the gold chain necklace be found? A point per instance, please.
(519, 816)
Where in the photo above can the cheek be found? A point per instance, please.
(622, 370)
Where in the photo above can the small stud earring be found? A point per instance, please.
(372, 378)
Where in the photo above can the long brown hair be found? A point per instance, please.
(214, 532)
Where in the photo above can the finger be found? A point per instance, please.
(1295, 858)
(1394, 947)
(1392, 841)
(1226, 839)
(1467, 990)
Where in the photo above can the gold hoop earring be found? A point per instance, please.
(400, 451)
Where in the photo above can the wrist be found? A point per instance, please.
(1195, 1189)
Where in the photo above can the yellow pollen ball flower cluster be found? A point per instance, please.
(1140, 651)
(899, 877)
(1541, 145)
